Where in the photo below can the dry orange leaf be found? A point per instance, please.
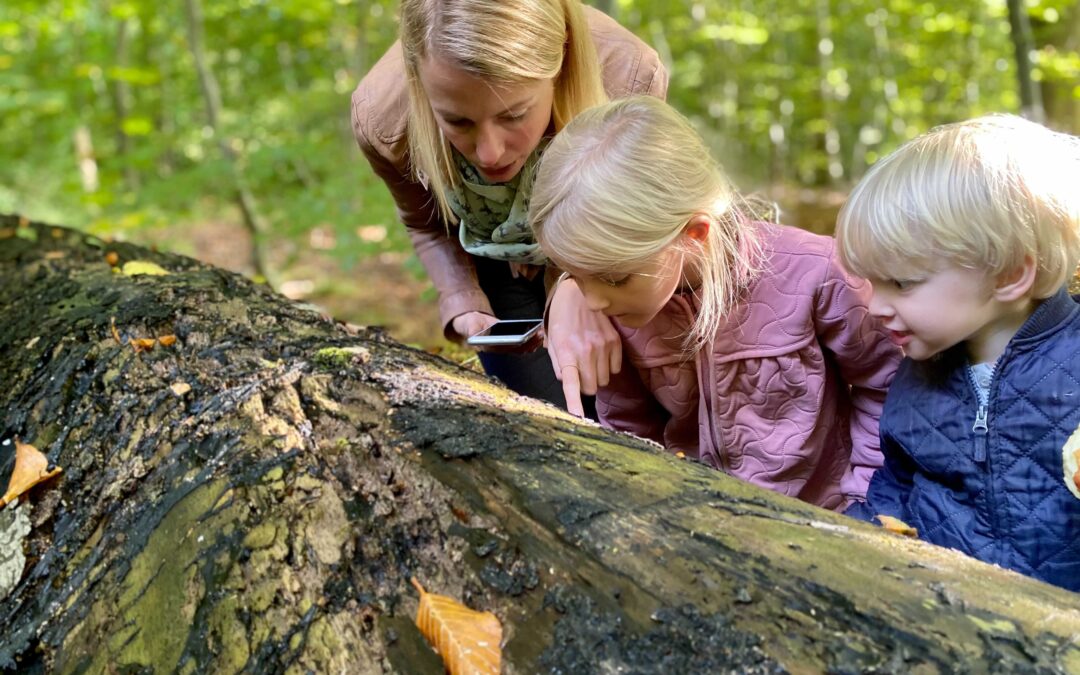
(896, 525)
(1076, 476)
(167, 340)
(142, 344)
(468, 641)
(31, 467)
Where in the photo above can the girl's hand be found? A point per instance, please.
(585, 349)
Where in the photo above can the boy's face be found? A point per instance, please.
(932, 312)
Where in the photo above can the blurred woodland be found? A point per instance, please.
(221, 129)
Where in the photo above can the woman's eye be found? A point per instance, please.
(903, 284)
(514, 117)
(458, 124)
(617, 282)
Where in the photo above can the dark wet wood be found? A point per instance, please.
(256, 496)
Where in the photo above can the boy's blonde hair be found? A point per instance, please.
(506, 42)
(619, 184)
(981, 194)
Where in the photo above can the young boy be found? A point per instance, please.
(969, 235)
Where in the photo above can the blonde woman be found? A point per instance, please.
(454, 118)
(747, 346)
(970, 234)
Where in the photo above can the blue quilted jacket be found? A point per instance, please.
(991, 482)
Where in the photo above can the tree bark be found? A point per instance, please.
(256, 497)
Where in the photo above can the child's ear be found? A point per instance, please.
(697, 228)
(1016, 283)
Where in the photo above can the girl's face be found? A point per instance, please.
(495, 127)
(634, 298)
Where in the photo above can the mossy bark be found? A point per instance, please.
(256, 496)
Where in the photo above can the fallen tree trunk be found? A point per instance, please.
(257, 495)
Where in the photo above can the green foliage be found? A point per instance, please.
(789, 91)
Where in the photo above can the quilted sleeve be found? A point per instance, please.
(890, 486)
(867, 361)
(626, 404)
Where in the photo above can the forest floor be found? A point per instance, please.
(376, 291)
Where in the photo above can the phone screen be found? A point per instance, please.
(507, 333)
(507, 328)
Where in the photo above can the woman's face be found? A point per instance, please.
(496, 127)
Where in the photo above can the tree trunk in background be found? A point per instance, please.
(121, 98)
(257, 495)
(1061, 102)
(212, 99)
(825, 46)
(1031, 105)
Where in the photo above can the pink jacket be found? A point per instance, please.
(790, 393)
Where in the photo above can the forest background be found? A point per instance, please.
(221, 129)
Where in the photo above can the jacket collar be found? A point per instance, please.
(1049, 315)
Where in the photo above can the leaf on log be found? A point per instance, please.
(142, 344)
(136, 267)
(31, 468)
(896, 525)
(167, 340)
(468, 641)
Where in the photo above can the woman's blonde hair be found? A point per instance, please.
(506, 42)
(619, 184)
(981, 194)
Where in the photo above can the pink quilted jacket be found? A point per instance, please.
(788, 397)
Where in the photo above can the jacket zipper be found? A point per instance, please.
(981, 429)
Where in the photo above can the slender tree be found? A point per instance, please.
(212, 99)
(1031, 105)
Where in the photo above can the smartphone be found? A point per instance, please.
(508, 332)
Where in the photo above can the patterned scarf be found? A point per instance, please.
(493, 217)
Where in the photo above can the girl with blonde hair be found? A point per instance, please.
(454, 117)
(745, 344)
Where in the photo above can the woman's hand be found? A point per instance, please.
(585, 349)
(524, 270)
(471, 323)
